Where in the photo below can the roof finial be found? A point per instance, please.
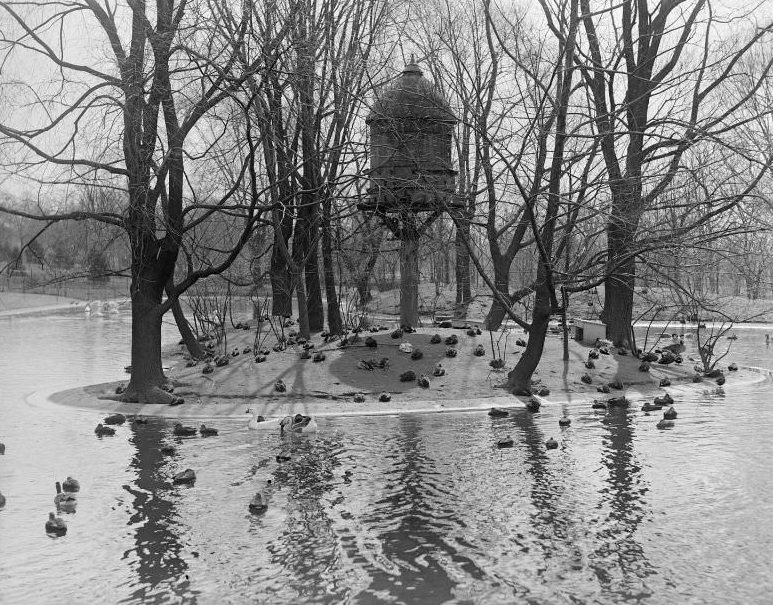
(413, 59)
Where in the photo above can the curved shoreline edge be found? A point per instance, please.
(93, 398)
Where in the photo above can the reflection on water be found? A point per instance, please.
(403, 509)
(158, 568)
(416, 504)
(624, 494)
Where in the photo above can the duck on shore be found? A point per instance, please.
(676, 346)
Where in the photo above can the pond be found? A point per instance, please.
(396, 509)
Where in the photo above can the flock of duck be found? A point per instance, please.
(423, 380)
(289, 425)
(666, 355)
(65, 500)
(534, 404)
(293, 425)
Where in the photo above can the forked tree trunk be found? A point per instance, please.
(147, 376)
(519, 378)
(193, 345)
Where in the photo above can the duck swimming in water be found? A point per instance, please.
(71, 485)
(505, 442)
(257, 506)
(102, 431)
(298, 424)
(55, 525)
(115, 419)
(65, 501)
(184, 431)
(186, 477)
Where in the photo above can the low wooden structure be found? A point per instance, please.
(588, 330)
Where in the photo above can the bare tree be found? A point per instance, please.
(131, 121)
(652, 102)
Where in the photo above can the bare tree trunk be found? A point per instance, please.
(409, 280)
(194, 347)
(152, 268)
(519, 378)
(334, 321)
(497, 312)
(281, 285)
(314, 288)
(303, 308)
(619, 285)
(463, 290)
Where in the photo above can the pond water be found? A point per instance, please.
(402, 509)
